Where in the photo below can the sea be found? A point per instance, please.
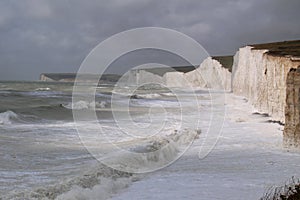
(48, 152)
(147, 142)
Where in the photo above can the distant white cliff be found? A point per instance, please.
(210, 74)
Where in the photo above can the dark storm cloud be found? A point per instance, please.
(55, 35)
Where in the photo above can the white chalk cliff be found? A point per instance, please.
(261, 78)
(210, 74)
(269, 76)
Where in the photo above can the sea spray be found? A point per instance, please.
(8, 117)
(85, 105)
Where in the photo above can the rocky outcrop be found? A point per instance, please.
(292, 109)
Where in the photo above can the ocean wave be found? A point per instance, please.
(168, 94)
(43, 113)
(8, 117)
(100, 182)
(153, 153)
(103, 191)
(80, 105)
(43, 89)
(146, 96)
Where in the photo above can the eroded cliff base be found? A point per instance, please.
(292, 110)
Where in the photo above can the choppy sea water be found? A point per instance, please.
(43, 155)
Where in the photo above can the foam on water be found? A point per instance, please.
(146, 96)
(43, 89)
(151, 153)
(85, 105)
(98, 182)
(106, 189)
(8, 117)
(43, 157)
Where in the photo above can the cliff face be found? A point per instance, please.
(175, 79)
(210, 74)
(144, 77)
(261, 77)
(43, 77)
(292, 109)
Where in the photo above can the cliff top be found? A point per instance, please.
(285, 48)
(225, 61)
(162, 70)
(59, 76)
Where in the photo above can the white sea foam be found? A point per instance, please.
(8, 117)
(147, 96)
(43, 89)
(168, 94)
(97, 182)
(59, 167)
(104, 190)
(80, 105)
(152, 153)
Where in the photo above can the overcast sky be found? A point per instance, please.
(55, 35)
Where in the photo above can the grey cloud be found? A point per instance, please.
(55, 35)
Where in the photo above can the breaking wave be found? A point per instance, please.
(48, 112)
(103, 191)
(146, 96)
(152, 153)
(99, 182)
(8, 117)
(43, 89)
(80, 105)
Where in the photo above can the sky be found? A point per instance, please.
(38, 36)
